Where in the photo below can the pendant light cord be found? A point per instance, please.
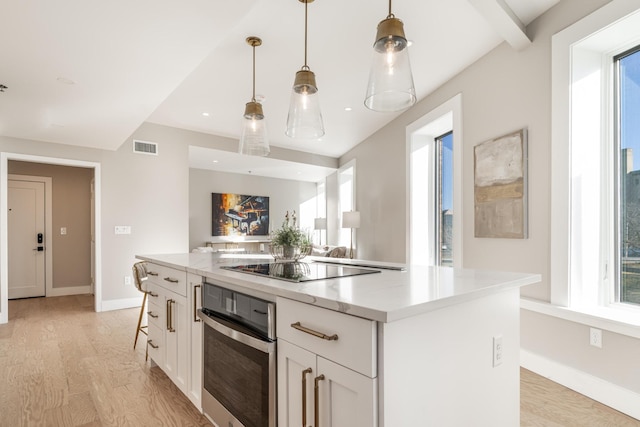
(253, 98)
(390, 14)
(306, 5)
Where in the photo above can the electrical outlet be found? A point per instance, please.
(595, 337)
(128, 280)
(497, 350)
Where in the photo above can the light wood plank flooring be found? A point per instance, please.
(62, 364)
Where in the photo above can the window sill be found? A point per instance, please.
(618, 319)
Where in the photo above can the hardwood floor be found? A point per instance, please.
(62, 364)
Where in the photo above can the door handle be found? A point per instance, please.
(316, 399)
(195, 303)
(39, 249)
(304, 396)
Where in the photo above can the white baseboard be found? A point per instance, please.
(614, 396)
(119, 304)
(71, 290)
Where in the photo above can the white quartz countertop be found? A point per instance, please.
(386, 296)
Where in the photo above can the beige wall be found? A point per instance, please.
(71, 205)
(503, 91)
(283, 195)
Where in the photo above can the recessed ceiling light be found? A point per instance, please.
(348, 108)
(205, 114)
(215, 161)
(65, 81)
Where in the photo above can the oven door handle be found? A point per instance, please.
(263, 346)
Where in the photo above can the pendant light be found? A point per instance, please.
(305, 120)
(253, 140)
(390, 80)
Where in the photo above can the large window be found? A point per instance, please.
(595, 201)
(435, 182)
(444, 199)
(627, 79)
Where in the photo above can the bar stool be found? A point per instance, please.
(140, 277)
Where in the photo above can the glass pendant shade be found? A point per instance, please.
(390, 85)
(254, 140)
(305, 119)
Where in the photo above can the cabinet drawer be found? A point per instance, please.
(155, 314)
(355, 346)
(169, 278)
(155, 342)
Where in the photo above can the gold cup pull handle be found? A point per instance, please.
(151, 273)
(306, 330)
(316, 400)
(150, 313)
(195, 303)
(150, 342)
(171, 280)
(304, 396)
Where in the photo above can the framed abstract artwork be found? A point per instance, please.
(238, 215)
(500, 187)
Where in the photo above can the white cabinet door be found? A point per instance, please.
(176, 340)
(296, 370)
(345, 398)
(194, 389)
(168, 334)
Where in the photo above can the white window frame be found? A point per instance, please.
(344, 234)
(583, 263)
(421, 233)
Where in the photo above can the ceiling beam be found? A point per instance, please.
(504, 21)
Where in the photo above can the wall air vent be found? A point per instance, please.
(144, 147)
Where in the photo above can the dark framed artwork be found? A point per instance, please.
(238, 215)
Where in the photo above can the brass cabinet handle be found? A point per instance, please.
(171, 280)
(153, 295)
(150, 342)
(316, 400)
(304, 396)
(150, 313)
(301, 328)
(170, 303)
(151, 273)
(195, 303)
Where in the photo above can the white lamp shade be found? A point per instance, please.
(350, 219)
(320, 224)
(254, 140)
(390, 82)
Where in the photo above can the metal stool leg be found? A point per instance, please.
(139, 328)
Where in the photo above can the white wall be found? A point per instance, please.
(284, 195)
(503, 91)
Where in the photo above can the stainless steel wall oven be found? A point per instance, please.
(239, 358)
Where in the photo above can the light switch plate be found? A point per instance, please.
(123, 229)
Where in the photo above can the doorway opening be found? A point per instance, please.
(95, 244)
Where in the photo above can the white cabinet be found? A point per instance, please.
(168, 316)
(326, 367)
(194, 388)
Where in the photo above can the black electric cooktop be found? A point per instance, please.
(300, 271)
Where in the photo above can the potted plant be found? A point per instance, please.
(290, 242)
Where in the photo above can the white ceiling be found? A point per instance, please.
(89, 72)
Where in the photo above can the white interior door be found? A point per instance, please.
(26, 232)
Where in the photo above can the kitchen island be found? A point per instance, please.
(424, 346)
